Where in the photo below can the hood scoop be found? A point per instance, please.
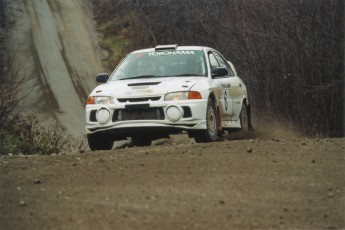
(143, 83)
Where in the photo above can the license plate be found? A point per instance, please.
(140, 114)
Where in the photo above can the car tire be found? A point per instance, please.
(99, 142)
(211, 133)
(244, 118)
(141, 141)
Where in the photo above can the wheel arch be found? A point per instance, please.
(245, 101)
(214, 98)
(218, 113)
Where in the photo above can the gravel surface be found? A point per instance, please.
(232, 184)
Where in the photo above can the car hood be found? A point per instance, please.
(145, 87)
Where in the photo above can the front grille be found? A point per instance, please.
(143, 83)
(141, 99)
(138, 114)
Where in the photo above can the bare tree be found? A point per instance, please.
(290, 53)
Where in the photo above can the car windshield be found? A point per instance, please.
(165, 63)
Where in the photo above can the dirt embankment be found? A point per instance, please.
(56, 47)
(238, 184)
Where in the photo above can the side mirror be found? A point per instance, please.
(219, 72)
(102, 77)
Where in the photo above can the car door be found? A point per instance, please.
(234, 90)
(221, 86)
(238, 91)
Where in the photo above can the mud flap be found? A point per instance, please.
(219, 119)
(249, 114)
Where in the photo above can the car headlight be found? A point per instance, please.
(182, 95)
(100, 100)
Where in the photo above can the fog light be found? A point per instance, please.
(103, 115)
(174, 113)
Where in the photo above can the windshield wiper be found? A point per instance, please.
(141, 76)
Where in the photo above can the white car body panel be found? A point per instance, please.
(229, 92)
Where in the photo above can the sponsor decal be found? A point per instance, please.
(172, 52)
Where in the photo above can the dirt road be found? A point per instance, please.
(237, 184)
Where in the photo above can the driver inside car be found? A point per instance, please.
(145, 67)
(194, 66)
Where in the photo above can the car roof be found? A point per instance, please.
(170, 47)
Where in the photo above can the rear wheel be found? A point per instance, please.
(244, 118)
(99, 142)
(211, 133)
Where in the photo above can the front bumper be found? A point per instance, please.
(128, 118)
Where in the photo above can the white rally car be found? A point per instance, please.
(165, 90)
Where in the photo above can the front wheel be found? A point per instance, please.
(211, 133)
(99, 142)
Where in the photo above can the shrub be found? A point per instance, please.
(8, 142)
(28, 136)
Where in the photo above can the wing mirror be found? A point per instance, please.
(102, 77)
(219, 72)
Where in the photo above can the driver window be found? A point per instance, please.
(213, 61)
(224, 63)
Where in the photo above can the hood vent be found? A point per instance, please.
(166, 47)
(143, 83)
